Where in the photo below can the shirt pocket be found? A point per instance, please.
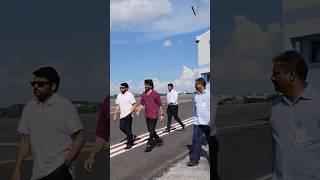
(308, 132)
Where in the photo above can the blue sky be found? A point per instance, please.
(160, 44)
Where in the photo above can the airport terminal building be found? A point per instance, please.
(203, 43)
(301, 32)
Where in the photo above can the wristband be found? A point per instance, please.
(68, 163)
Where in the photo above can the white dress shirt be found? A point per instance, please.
(125, 101)
(172, 97)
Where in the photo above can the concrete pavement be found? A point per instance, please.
(244, 142)
(243, 135)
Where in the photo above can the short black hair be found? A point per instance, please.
(202, 81)
(50, 74)
(149, 82)
(170, 84)
(124, 85)
(292, 62)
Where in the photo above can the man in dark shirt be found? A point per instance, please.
(102, 135)
(151, 102)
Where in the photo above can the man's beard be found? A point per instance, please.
(147, 89)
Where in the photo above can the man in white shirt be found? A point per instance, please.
(172, 110)
(126, 103)
(51, 125)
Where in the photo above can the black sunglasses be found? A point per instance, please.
(122, 87)
(39, 83)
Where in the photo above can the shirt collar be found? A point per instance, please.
(124, 93)
(49, 101)
(307, 94)
(152, 91)
(204, 92)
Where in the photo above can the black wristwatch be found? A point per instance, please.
(68, 163)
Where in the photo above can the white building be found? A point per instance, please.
(302, 32)
(203, 42)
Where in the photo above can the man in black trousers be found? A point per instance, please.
(172, 110)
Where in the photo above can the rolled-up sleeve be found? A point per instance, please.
(103, 126)
(73, 122)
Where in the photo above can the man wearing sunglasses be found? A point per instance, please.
(126, 103)
(151, 102)
(51, 125)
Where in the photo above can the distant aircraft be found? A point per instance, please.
(195, 11)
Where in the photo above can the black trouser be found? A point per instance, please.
(213, 151)
(153, 136)
(173, 111)
(61, 173)
(126, 127)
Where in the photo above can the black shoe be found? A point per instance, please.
(129, 146)
(183, 127)
(193, 163)
(166, 131)
(148, 149)
(159, 143)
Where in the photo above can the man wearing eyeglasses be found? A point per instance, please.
(126, 103)
(51, 125)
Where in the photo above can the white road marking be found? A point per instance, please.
(143, 141)
(267, 177)
(147, 134)
(140, 142)
(122, 151)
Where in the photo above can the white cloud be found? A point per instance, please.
(181, 22)
(167, 43)
(127, 13)
(245, 62)
(185, 82)
(157, 18)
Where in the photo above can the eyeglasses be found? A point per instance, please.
(39, 83)
(122, 87)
